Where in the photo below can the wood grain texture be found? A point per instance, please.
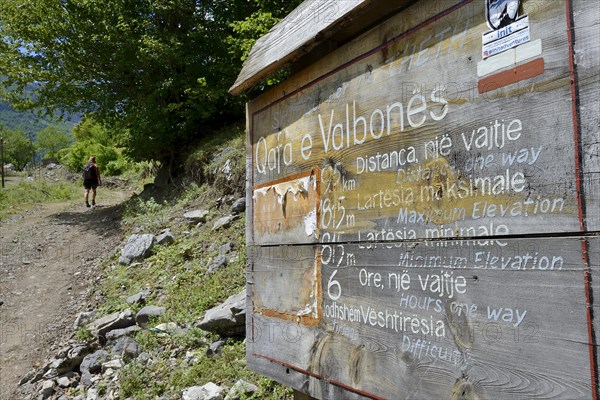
(456, 251)
(291, 293)
(513, 326)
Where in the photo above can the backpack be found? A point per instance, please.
(89, 172)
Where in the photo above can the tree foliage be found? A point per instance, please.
(160, 69)
(50, 140)
(18, 148)
(91, 130)
(93, 138)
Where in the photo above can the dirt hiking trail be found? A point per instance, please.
(48, 256)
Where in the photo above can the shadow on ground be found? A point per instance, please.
(102, 220)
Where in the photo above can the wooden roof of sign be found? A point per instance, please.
(313, 23)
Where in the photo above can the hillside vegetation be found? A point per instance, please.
(181, 277)
(178, 277)
(158, 70)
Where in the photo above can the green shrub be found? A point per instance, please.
(117, 167)
(109, 159)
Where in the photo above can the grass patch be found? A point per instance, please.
(146, 215)
(83, 335)
(178, 276)
(17, 197)
(168, 375)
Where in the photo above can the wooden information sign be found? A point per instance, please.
(423, 223)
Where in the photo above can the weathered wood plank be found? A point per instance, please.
(293, 292)
(405, 157)
(423, 318)
(249, 183)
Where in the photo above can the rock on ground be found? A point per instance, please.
(215, 348)
(218, 263)
(47, 389)
(92, 394)
(196, 216)
(239, 206)
(210, 391)
(82, 318)
(112, 364)
(225, 248)
(118, 333)
(166, 237)
(224, 222)
(68, 360)
(92, 363)
(241, 388)
(137, 247)
(167, 328)
(64, 382)
(138, 298)
(144, 315)
(227, 319)
(117, 320)
(126, 348)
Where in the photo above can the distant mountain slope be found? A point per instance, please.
(13, 119)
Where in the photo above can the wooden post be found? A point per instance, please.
(2, 158)
(301, 396)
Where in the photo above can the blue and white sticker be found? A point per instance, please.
(501, 13)
(506, 43)
(520, 24)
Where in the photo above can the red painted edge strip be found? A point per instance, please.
(587, 276)
(587, 281)
(514, 75)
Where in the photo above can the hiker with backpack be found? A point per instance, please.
(91, 180)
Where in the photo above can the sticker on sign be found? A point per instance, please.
(508, 42)
(516, 26)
